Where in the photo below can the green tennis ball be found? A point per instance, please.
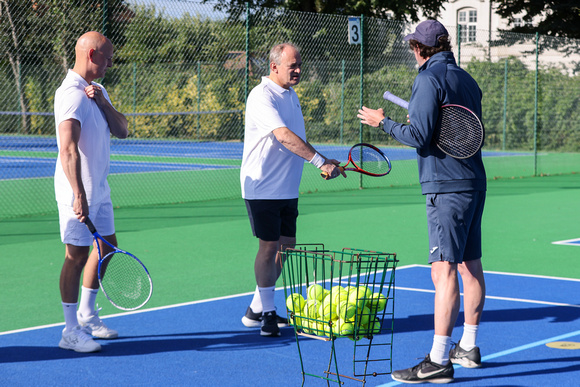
(311, 309)
(377, 303)
(315, 292)
(326, 310)
(347, 311)
(295, 303)
(345, 328)
(364, 316)
(375, 327)
(359, 296)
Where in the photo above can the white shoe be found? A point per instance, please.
(78, 340)
(96, 327)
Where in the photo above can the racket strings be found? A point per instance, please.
(461, 133)
(124, 281)
(369, 160)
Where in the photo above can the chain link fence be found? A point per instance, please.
(182, 71)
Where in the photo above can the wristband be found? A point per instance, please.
(317, 160)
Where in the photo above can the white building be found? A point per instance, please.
(479, 26)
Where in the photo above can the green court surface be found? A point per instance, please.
(203, 250)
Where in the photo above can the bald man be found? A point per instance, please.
(85, 120)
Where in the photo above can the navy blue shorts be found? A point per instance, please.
(454, 223)
(271, 219)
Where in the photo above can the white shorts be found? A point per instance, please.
(73, 232)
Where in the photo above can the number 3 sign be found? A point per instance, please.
(354, 32)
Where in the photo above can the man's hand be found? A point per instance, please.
(370, 116)
(331, 169)
(95, 92)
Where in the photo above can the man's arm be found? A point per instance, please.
(303, 149)
(118, 124)
(69, 133)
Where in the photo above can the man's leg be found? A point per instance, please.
(447, 302)
(88, 315)
(473, 301)
(73, 337)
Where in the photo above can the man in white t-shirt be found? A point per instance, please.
(84, 119)
(275, 148)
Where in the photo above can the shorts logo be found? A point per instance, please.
(433, 249)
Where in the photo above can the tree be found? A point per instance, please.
(559, 18)
(401, 9)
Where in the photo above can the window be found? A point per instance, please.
(467, 20)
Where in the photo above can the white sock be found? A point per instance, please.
(70, 315)
(256, 304)
(88, 300)
(267, 297)
(440, 351)
(469, 337)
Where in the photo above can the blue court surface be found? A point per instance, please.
(203, 343)
(18, 167)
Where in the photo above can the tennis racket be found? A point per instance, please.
(366, 159)
(461, 134)
(123, 278)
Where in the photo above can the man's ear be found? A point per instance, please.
(273, 67)
(91, 52)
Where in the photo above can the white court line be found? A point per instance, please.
(282, 288)
(508, 352)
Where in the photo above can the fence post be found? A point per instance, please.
(134, 97)
(536, 109)
(505, 85)
(342, 104)
(105, 17)
(198, 99)
(459, 45)
(247, 75)
(362, 63)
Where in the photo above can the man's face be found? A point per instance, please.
(287, 73)
(102, 58)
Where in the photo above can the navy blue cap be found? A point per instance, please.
(428, 33)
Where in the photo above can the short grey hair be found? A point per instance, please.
(276, 51)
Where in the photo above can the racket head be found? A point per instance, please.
(369, 160)
(461, 134)
(124, 280)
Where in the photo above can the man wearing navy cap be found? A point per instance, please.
(455, 196)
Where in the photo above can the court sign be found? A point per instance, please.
(354, 32)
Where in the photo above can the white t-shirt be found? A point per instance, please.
(71, 102)
(269, 170)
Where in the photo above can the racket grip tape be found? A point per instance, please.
(90, 225)
(396, 100)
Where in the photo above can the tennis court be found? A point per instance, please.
(201, 259)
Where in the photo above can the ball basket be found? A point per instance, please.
(341, 303)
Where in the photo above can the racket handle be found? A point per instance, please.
(396, 100)
(90, 225)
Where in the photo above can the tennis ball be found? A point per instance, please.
(359, 296)
(295, 303)
(326, 310)
(347, 311)
(311, 309)
(338, 294)
(377, 303)
(364, 316)
(315, 292)
(375, 327)
(345, 328)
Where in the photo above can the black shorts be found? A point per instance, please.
(271, 219)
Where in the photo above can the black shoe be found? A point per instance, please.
(467, 359)
(425, 372)
(254, 320)
(269, 325)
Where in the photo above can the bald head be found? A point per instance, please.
(94, 53)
